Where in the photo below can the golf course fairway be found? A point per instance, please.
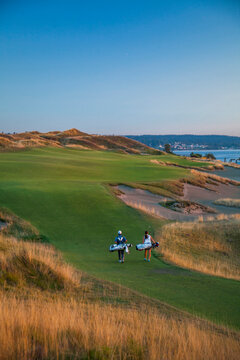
(65, 194)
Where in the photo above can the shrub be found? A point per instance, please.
(195, 155)
(167, 148)
(210, 156)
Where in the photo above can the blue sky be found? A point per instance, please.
(120, 67)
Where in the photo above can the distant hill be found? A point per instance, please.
(75, 139)
(210, 141)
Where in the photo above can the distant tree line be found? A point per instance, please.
(212, 141)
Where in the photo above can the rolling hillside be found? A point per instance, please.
(75, 139)
(65, 194)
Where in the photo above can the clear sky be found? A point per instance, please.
(120, 67)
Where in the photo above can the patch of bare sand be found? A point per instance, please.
(207, 197)
(231, 171)
(148, 202)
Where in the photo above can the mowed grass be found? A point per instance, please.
(64, 193)
(180, 160)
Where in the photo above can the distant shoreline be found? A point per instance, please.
(190, 142)
(223, 155)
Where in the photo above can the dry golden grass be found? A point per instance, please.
(35, 329)
(28, 263)
(207, 178)
(228, 202)
(211, 245)
(53, 322)
(139, 205)
(73, 138)
(234, 165)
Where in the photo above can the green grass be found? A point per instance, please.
(64, 193)
(179, 160)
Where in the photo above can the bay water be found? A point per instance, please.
(223, 155)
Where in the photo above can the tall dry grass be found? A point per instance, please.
(34, 329)
(204, 178)
(228, 202)
(45, 323)
(28, 263)
(210, 245)
(140, 205)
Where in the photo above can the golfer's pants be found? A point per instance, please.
(121, 254)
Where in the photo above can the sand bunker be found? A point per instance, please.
(149, 203)
(229, 172)
(187, 207)
(200, 200)
(208, 197)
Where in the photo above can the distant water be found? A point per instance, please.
(223, 155)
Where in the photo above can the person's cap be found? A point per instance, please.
(119, 232)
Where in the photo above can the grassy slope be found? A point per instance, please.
(212, 247)
(64, 194)
(181, 161)
(49, 310)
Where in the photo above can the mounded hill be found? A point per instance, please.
(73, 138)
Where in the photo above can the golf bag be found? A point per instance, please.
(141, 247)
(116, 247)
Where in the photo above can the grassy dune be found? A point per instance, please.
(64, 193)
(46, 313)
(212, 247)
(72, 138)
(28, 263)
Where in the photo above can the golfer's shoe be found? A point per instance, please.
(148, 260)
(145, 259)
(120, 261)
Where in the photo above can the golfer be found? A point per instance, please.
(120, 240)
(148, 240)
